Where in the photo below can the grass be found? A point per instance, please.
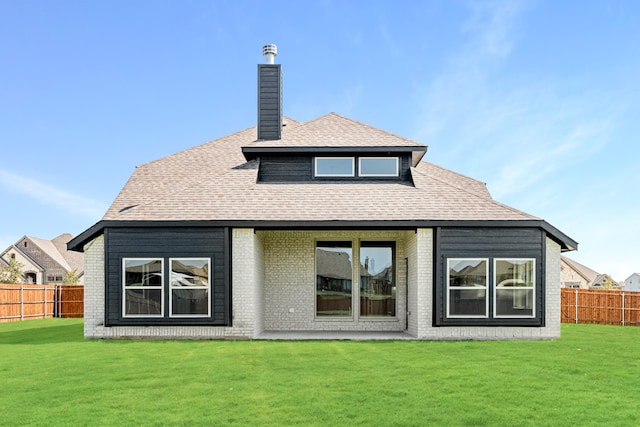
(49, 375)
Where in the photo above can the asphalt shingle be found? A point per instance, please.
(213, 181)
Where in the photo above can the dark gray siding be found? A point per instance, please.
(285, 169)
(488, 243)
(168, 243)
(299, 168)
(269, 101)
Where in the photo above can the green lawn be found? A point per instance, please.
(49, 375)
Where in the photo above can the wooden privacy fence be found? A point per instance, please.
(21, 302)
(606, 307)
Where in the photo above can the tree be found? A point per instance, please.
(11, 273)
(72, 278)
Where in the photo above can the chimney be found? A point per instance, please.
(269, 96)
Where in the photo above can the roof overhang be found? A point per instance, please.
(566, 243)
(255, 151)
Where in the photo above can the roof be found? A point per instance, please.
(215, 182)
(55, 249)
(335, 130)
(588, 274)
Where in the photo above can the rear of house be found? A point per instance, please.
(325, 226)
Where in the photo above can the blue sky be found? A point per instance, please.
(539, 99)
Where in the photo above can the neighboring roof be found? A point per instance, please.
(588, 274)
(50, 249)
(27, 256)
(75, 260)
(55, 249)
(215, 182)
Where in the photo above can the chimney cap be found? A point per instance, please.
(269, 51)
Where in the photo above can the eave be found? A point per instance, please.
(566, 243)
(254, 152)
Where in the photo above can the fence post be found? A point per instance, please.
(576, 306)
(44, 301)
(21, 301)
(56, 303)
(622, 308)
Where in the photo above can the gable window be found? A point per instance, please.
(467, 287)
(143, 287)
(334, 270)
(377, 166)
(190, 287)
(334, 166)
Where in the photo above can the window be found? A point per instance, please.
(190, 287)
(334, 166)
(377, 279)
(467, 287)
(143, 287)
(337, 167)
(334, 279)
(378, 166)
(515, 285)
(509, 288)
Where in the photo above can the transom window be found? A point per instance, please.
(377, 166)
(328, 167)
(334, 166)
(510, 288)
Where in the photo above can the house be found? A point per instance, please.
(44, 261)
(324, 227)
(575, 275)
(632, 283)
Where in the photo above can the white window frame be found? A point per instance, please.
(329, 175)
(486, 290)
(526, 288)
(395, 174)
(172, 288)
(125, 287)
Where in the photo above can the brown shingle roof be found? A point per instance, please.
(213, 181)
(334, 130)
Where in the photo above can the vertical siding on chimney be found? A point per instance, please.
(269, 102)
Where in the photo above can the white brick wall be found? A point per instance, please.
(290, 281)
(94, 288)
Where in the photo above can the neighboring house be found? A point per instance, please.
(45, 261)
(263, 233)
(632, 283)
(575, 275)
